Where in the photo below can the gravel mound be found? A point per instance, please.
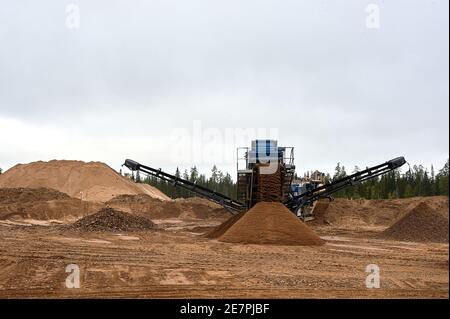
(421, 224)
(111, 220)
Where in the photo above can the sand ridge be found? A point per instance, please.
(42, 204)
(182, 208)
(92, 181)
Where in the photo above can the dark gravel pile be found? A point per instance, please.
(111, 220)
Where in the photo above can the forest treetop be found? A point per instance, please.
(416, 181)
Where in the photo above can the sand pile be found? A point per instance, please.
(266, 223)
(111, 220)
(189, 208)
(22, 195)
(133, 199)
(269, 187)
(345, 213)
(321, 207)
(42, 204)
(421, 224)
(200, 208)
(93, 181)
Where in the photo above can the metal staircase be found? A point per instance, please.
(289, 171)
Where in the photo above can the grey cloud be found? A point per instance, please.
(335, 89)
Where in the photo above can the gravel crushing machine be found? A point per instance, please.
(265, 172)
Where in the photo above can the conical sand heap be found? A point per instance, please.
(421, 224)
(266, 223)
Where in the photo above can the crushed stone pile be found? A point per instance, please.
(23, 195)
(93, 181)
(421, 224)
(111, 220)
(266, 223)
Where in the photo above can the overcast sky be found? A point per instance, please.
(172, 83)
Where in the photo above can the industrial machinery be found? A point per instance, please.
(307, 182)
(265, 172)
(303, 203)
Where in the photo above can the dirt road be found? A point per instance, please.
(177, 262)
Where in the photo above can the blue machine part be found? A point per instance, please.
(264, 151)
(296, 189)
(308, 187)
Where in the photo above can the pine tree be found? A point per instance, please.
(178, 190)
(138, 177)
(194, 174)
(185, 175)
(337, 172)
(409, 192)
(214, 179)
(432, 181)
(443, 179)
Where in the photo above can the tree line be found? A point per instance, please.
(417, 181)
(219, 181)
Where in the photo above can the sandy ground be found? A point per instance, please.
(176, 262)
